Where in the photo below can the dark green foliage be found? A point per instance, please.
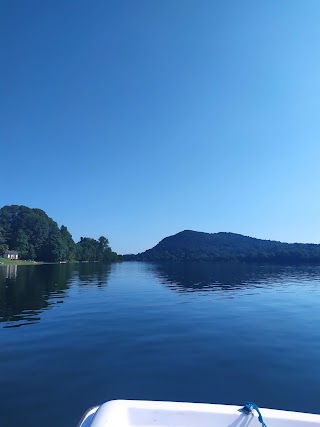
(36, 236)
(197, 246)
(69, 245)
(54, 248)
(26, 250)
(89, 249)
(3, 246)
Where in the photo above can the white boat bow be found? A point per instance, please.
(135, 413)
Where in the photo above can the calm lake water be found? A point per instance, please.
(72, 336)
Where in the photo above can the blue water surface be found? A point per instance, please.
(73, 336)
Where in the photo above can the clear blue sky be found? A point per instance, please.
(138, 119)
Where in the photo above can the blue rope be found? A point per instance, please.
(249, 407)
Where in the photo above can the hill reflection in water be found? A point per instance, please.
(211, 277)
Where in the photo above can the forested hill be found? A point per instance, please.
(37, 237)
(194, 245)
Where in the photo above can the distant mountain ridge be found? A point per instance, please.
(200, 246)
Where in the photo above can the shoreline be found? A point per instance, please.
(5, 261)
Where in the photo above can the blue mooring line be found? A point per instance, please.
(249, 407)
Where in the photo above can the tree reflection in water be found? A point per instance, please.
(26, 291)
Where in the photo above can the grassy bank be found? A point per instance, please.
(6, 261)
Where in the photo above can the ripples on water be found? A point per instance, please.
(197, 277)
(75, 335)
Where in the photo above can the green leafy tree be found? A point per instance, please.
(3, 249)
(22, 226)
(103, 243)
(3, 246)
(37, 236)
(89, 249)
(54, 248)
(26, 250)
(68, 242)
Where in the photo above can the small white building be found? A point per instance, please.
(11, 255)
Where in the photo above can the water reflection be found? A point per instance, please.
(26, 290)
(93, 274)
(205, 276)
(11, 271)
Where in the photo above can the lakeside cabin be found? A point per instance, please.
(11, 255)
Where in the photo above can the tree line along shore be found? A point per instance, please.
(37, 237)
